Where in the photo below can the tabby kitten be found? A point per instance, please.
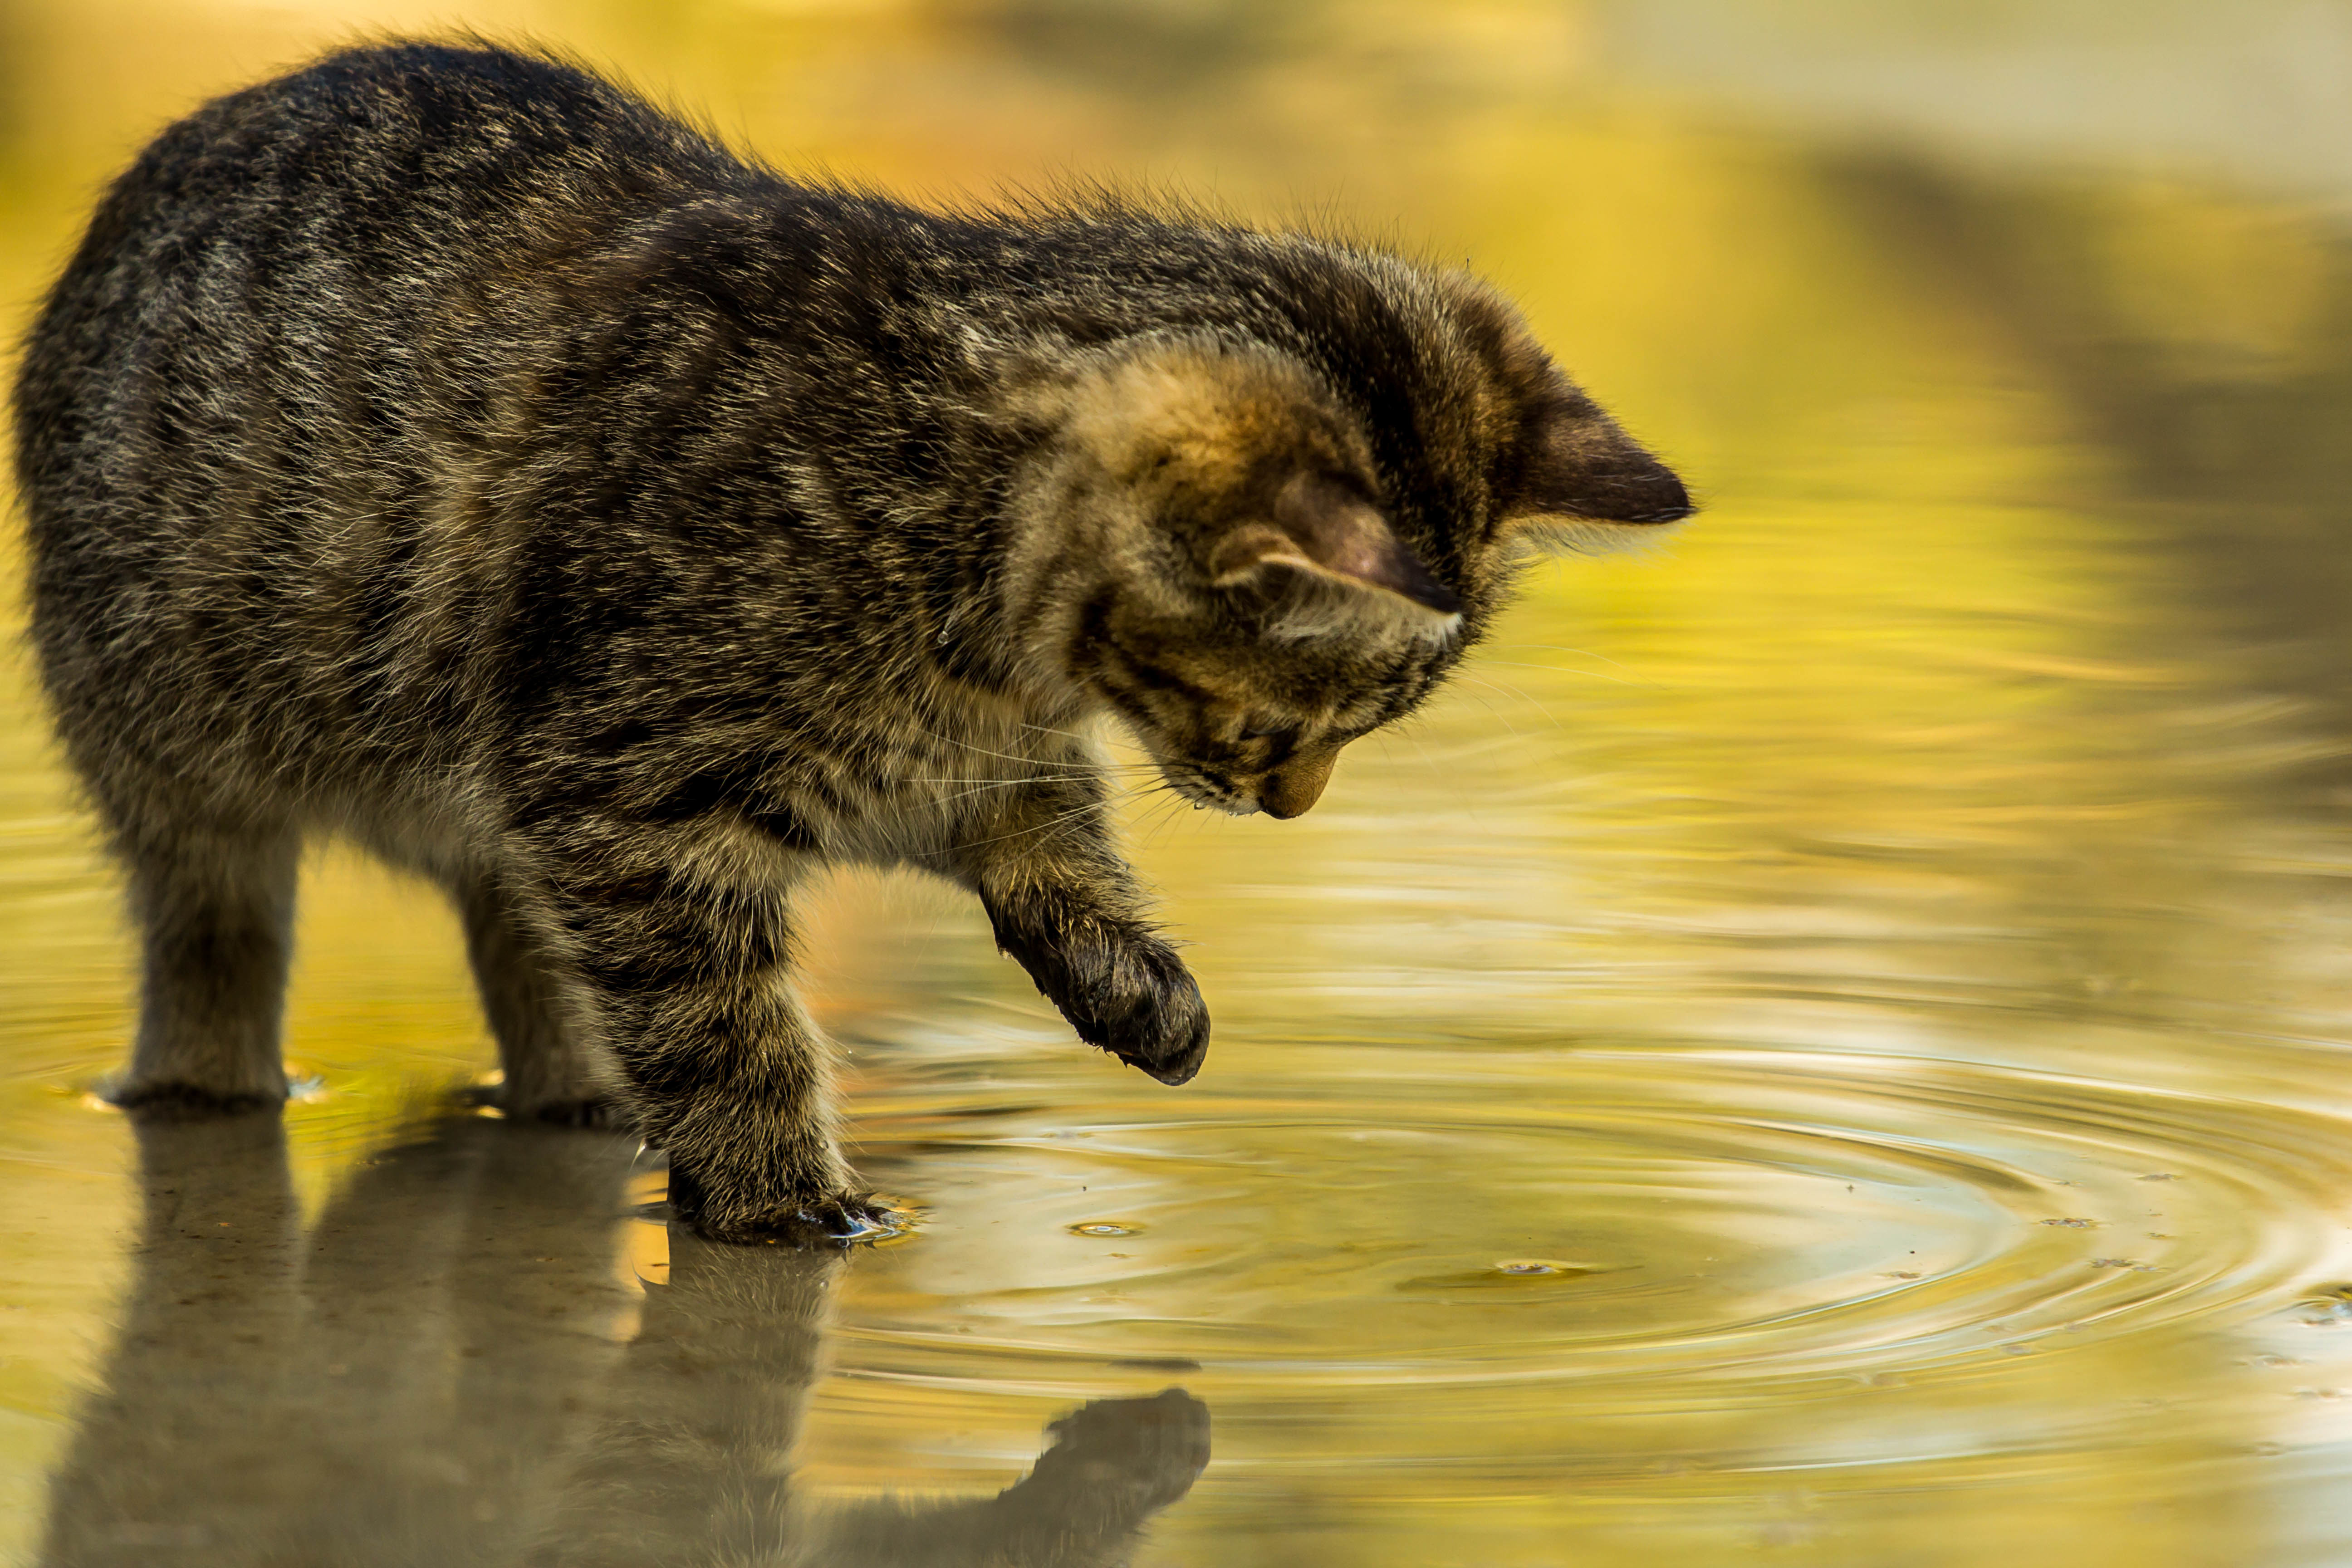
(443, 448)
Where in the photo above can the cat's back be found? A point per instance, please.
(274, 230)
(240, 402)
(430, 145)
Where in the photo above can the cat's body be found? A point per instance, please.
(441, 447)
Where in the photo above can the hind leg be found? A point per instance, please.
(548, 1077)
(214, 905)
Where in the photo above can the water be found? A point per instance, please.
(1828, 1047)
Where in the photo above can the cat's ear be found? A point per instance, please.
(1332, 558)
(1565, 475)
(1579, 482)
(1243, 460)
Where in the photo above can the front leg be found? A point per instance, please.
(685, 981)
(1069, 908)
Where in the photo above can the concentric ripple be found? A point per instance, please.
(1673, 1226)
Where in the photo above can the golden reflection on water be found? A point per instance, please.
(1827, 1043)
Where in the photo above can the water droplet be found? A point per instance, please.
(2072, 1223)
(2334, 1304)
(1513, 1278)
(1104, 1228)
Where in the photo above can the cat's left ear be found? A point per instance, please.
(1329, 552)
(1578, 481)
(1565, 475)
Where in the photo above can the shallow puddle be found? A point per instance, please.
(1829, 1045)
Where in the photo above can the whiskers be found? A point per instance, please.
(1146, 826)
(1063, 823)
(1094, 788)
(1029, 769)
(1595, 536)
(1041, 765)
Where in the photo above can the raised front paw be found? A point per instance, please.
(1144, 1007)
(1126, 992)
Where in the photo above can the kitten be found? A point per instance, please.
(442, 448)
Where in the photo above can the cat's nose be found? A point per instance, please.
(1294, 786)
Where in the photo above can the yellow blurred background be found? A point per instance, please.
(1956, 813)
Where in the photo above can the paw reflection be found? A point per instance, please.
(452, 1367)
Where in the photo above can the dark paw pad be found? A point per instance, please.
(1132, 997)
(1147, 1011)
(1169, 1044)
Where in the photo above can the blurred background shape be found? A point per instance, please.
(1825, 1046)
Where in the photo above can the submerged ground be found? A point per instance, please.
(1831, 1045)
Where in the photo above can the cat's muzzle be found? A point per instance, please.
(1206, 793)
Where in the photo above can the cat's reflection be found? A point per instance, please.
(446, 1370)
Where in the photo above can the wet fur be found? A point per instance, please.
(442, 448)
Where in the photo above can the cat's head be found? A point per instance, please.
(1255, 554)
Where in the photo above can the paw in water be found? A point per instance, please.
(836, 1220)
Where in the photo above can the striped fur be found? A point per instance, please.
(441, 447)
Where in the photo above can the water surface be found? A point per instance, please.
(1825, 1046)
